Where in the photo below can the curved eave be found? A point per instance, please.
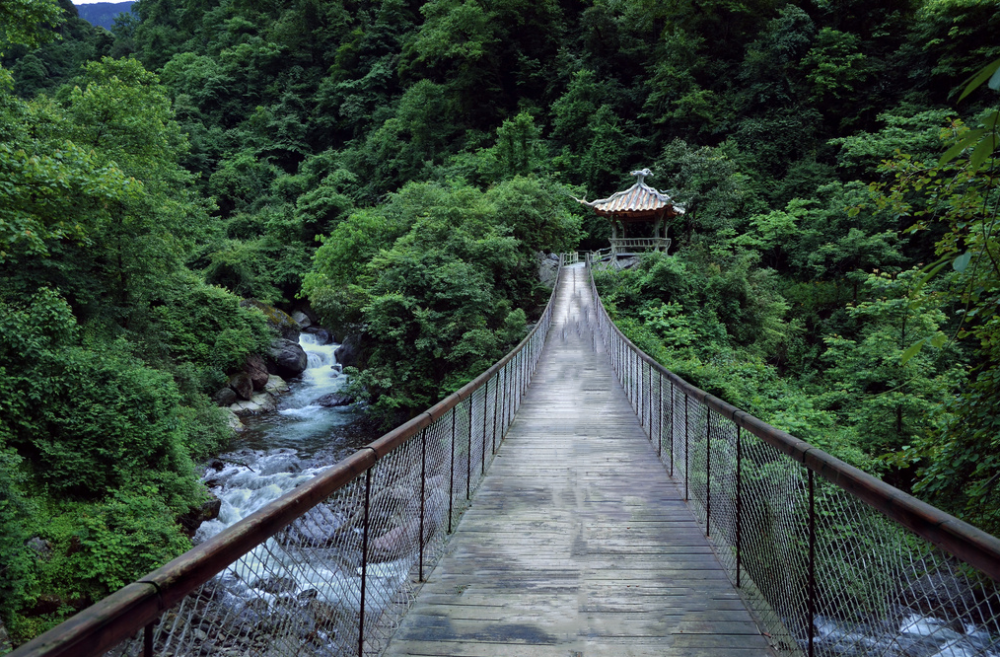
(640, 201)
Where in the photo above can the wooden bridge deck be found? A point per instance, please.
(577, 543)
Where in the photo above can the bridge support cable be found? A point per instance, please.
(830, 560)
(330, 567)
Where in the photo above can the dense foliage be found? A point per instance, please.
(399, 165)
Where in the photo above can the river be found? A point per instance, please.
(278, 451)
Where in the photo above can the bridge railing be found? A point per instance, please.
(330, 567)
(830, 560)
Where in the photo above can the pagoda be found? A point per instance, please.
(638, 217)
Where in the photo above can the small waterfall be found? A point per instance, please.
(281, 450)
(277, 453)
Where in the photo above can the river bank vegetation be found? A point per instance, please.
(397, 166)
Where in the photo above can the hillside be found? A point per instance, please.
(102, 14)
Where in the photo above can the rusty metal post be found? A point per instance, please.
(423, 495)
(514, 383)
(619, 355)
(686, 423)
(486, 397)
(503, 405)
(508, 396)
(612, 356)
(524, 372)
(630, 377)
(708, 471)
(635, 387)
(649, 401)
(626, 369)
(468, 464)
(739, 501)
(147, 641)
(671, 429)
(451, 475)
(509, 368)
(364, 562)
(659, 414)
(812, 562)
(496, 402)
(640, 397)
(616, 358)
(524, 379)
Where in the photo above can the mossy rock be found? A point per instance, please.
(279, 321)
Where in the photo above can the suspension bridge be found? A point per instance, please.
(575, 500)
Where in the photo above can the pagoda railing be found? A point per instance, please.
(829, 559)
(330, 567)
(621, 245)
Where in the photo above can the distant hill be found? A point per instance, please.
(103, 13)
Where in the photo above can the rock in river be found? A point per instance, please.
(276, 385)
(256, 368)
(301, 319)
(349, 353)
(261, 402)
(225, 397)
(288, 357)
(335, 399)
(242, 385)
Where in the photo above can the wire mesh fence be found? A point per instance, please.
(331, 567)
(829, 560)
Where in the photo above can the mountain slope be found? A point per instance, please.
(103, 13)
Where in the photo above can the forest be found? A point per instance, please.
(397, 167)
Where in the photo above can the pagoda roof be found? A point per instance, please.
(639, 199)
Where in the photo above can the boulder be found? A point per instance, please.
(225, 397)
(301, 319)
(335, 399)
(192, 520)
(322, 335)
(279, 321)
(256, 369)
(548, 268)
(242, 385)
(234, 421)
(46, 603)
(401, 541)
(41, 547)
(349, 352)
(276, 385)
(288, 357)
(275, 585)
(261, 402)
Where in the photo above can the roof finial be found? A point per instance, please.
(641, 175)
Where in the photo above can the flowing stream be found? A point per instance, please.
(300, 581)
(278, 451)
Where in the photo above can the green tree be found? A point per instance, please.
(892, 398)
(26, 21)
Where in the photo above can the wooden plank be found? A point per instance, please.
(577, 543)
